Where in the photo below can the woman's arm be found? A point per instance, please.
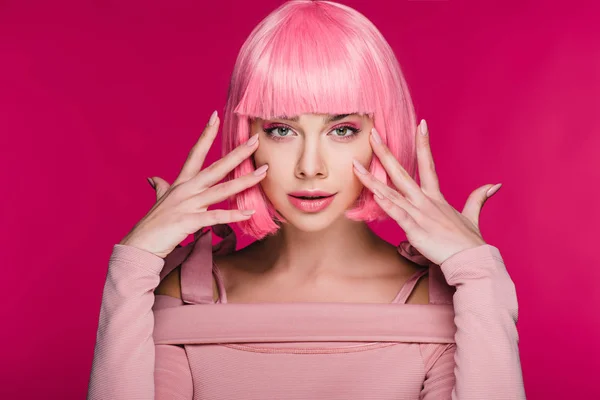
(124, 355)
(172, 374)
(486, 362)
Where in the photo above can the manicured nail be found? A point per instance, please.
(151, 182)
(493, 190)
(376, 136)
(423, 127)
(248, 212)
(359, 167)
(261, 169)
(252, 140)
(213, 118)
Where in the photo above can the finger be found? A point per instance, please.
(219, 169)
(475, 202)
(398, 175)
(224, 190)
(215, 217)
(198, 152)
(161, 187)
(375, 185)
(427, 174)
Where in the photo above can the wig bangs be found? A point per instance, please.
(309, 66)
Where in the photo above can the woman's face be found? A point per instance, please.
(312, 152)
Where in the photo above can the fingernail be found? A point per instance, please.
(493, 190)
(151, 182)
(359, 167)
(213, 118)
(423, 127)
(252, 140)
(261, 169)
(376, 136)
(248, 212)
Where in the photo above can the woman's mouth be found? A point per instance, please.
(311, 204)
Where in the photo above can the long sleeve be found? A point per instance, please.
(484, 363)
(124, 355)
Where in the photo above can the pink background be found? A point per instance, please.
(95, 96)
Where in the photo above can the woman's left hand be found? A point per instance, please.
(432, 226)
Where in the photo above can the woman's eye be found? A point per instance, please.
(283, 131)
(343, 130)
(277, 132)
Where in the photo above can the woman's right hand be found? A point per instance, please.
(182, 208)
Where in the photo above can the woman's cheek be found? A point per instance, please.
(260, 156)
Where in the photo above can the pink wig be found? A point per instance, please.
(316, 57)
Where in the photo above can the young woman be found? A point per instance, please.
(319, 138)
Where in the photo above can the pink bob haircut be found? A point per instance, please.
(316, 57)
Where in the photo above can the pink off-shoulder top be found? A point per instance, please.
(462, 345)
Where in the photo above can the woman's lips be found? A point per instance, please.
(311, 206)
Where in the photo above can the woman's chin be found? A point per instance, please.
(311, 222)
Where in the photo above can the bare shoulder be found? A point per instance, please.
(171, 285)
(420, 294)
(240, 264)
(245, 266)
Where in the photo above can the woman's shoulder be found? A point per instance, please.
(230, 265)
(238, 267)
(239, 264)
(170, 282)
(420, 293)
(170, 285)
(246, 265)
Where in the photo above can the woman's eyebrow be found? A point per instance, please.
(337, 117)
(328, 120)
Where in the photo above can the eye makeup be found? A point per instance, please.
(352, 130)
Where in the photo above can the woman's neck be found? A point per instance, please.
(342, 248)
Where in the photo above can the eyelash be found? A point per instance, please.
(355, 131)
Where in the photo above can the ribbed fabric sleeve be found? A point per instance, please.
(439, 371)
(485, 359)
(483, 363)
(172, 374)
(124, 355)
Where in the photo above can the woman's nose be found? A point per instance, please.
(311, 163)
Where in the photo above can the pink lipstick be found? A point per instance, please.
(311, 200)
